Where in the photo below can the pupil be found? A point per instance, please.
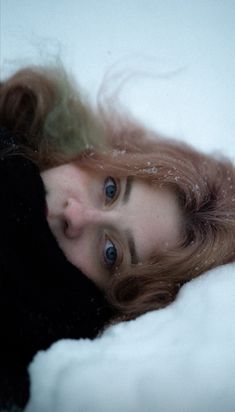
(111, 254)
(111, 190)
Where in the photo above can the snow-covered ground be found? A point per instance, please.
(181, 57)
(179, 359)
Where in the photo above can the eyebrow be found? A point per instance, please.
(128, 188)
(132, 248)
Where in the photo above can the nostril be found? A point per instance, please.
(65, 227)
(71, 229)
(73, 218)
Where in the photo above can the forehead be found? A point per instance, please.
(155, 217)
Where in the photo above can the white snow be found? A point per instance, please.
(182, 358)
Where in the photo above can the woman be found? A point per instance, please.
(43, 297)
(138, 214)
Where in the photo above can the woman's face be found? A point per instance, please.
(103, 224)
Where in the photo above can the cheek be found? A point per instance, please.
(77, 253)
(81, 256)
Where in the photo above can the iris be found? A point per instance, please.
(110, 187)
(110, 253)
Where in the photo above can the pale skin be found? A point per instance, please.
(103, 224)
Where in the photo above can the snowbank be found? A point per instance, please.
(180, 359)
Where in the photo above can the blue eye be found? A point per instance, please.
(110, 188)
(110, 253)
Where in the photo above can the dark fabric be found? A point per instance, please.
(43, 297)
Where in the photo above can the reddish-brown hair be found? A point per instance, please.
(205, 185)
(52, 121)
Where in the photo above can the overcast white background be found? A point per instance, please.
(181, 358)
(192, 39)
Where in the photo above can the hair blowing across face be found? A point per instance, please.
(55, 125)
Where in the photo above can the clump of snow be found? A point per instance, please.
(180, 359)
(117, 152)
(150, 170)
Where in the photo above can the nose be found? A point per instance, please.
(78, 216)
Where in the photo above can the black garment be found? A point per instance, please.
(43, 297)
